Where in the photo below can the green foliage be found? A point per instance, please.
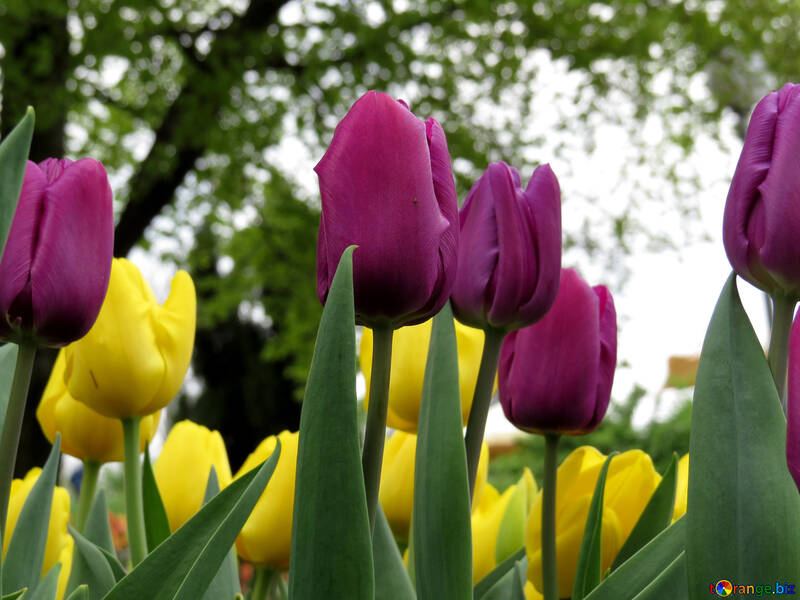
(156, 524)
(738, 480)
(659, 439)
(13, 156)
(391, 577)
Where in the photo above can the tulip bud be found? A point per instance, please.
(266, 538)
(509, 256)
(59, 545)
(183, 468)
(85, 434)
(762, 216)
(387, 186)
(55, 267)
(630, 482)
(133, 360)
(556, 375)
(409, 356)
(397, 481)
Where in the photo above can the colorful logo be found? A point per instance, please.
(723, 588)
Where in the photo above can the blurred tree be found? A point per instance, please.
(206, 114)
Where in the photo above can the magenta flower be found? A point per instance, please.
(57, 260)
(762, 213)
(793, 414)
(556, 375)
(509, 258)
(387, 186)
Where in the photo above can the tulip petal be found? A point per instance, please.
(68, 262)
(608, 354)
(793, 416)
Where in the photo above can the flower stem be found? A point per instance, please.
(549, 565)
(134, 508)
(375, 435)
(778, 355)
(9, 441)
(91, 469)
(481, 399)
(261, 583)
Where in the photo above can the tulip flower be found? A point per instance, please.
(509, 256)
(133, 360)
(183, 468)
(630, 482)
(555, 376)
(762, 216)
(59, 545)
(409, 356)
(55, 268)
(387, 186)
(85, 434)
(266, 538)
(793, 416)
(397, 481)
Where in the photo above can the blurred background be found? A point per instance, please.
(210, 115)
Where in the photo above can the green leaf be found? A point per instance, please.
(655, 517)
(22, 566)
(89, 566)
(156, 524)
(113, 562)
(13, 158)
(18, 595)
(485, 584)
(511, 585)
(639, 571)
(331, 542)
(226, 582)
(743, 510)
(442, 538)
(80, 593)
(590, 567)
(97, 529)
(186, 562)
(511, 534)
(8, 362)
(47, 588)
(671, 583)
(391, 578)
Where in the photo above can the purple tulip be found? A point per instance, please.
(793, 415)
(509, 258)
(556, 375)
(762, 213)
(387, 186)
(57, 260)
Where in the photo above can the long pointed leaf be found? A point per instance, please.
(671, 583)
(226, 582)
(743, 510)
(22, 566)
(8, 362)
(14, 151)
(442, 538)
(331, 542)
(81, 593)
(89, 566)
(156, 524)
(655, 517)
(191, 556)
(485, 584)
(47, 588)
(391, 578)
(97, 529)
(590, 566)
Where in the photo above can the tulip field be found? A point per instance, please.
(457, 301)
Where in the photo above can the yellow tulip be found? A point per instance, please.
(682, 488)
(59, 544)
(85, 434)
(266, 538)
(396, 493)
(183, 467)
(498, 524)
(409, 354)
(630, 482)
(134, 358)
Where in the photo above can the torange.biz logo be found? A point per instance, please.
(726, 588)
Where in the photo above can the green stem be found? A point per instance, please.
(375, 434)
(481, 399)
(778, 355)
(549, 564)
(261, 583)
(9, 442)
(91, 469)
(134, 509)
